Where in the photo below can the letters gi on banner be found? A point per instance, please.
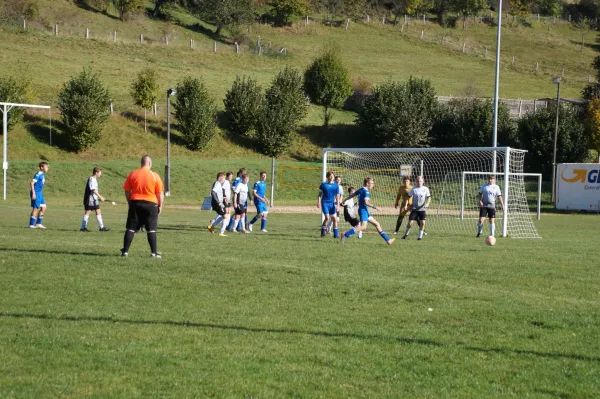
(578, 186)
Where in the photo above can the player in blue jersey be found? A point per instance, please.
(261, 202)
(328, 202)
(38, 204)
(364, 203)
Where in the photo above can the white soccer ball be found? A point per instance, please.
(490, 240)
(114, 203)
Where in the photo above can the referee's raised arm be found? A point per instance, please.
(145, 195)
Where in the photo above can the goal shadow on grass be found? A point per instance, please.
(39, 128)
(55, 252)
(326, 334)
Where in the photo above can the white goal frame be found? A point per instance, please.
(5, 108)
(506, 151)
(462, 189)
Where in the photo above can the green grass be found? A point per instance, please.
(287, 314)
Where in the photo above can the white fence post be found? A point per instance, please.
(87, 33)
(115, 36)
(141, 38)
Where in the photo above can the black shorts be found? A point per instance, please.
(418, 215)
(487, 212)
(142, 213)
(352, 220)
(91, 207)
(240, 210)
(218, 207)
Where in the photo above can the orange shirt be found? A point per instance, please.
(144, 185)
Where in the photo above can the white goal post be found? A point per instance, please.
(452, 174)
(5, 108)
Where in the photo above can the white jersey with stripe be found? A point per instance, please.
(419, 196)
(489, 192)
(349, 204)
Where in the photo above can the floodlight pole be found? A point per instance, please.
(170, 93)
(557, 82)
(496, 85)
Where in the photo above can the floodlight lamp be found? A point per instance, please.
(171, 92)
(556, 80)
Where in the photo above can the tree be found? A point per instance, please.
(15, 90)
(195, 112)
(592, 90)
(159, 5)
(127, 6)
(84, 104)
(399, 114)
(593, 119)
(469, 122)
(536, 135)
(469, 7)
(284, 9)
(243, 103)
(283, 109)
(224, 13)
(144, 91)
(441, 8)
(327, 82)
(552, 8)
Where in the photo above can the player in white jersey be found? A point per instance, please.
(240, 201)
(349, 214)
(487, 204)
(91, 201)
(421, 199)
(218, 204)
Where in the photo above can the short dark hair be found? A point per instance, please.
(367, 179)
(350, 189)
(244, 176)
(262, 172)
(405, 178)
(220, 174)
(96, 170)
(491, 177)
(328, 174)
(241, 172)
(43, 163)
(230, 173)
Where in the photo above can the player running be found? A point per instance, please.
(237, 181)
(487, 204)
(406, 201)
(91, 198)
(328, 202)
(261, 202)
(38, 203)
(218, 205)
(349, 215)
(364, 203)
(240, 202)
(420, 202)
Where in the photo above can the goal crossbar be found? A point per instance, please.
(5, 108)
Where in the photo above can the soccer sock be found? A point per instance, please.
(40, 219)
(407, 230)
(127, 239)
(235, 223)
(399, 222)
(384, 236)
(330, 223)
(492, 228)
(349, 232)
(84, 221)
(152, 241)
(479, 228)
(254, 219)
(225, 224)
(263, 223)
(100, 222)
(323, 230)
(336, 232)
(420, 233)
(32, 220)
(217, 221)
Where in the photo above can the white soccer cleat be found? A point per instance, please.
(157, 256)
(39, 226)
(249, 227)
(264, 230)
(32, 227)
(359, 234)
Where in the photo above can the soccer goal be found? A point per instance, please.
(453, 176)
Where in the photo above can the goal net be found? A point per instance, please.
(453, 175)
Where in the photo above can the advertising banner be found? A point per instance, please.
(578, 186)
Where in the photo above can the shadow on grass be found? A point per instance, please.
(203, 30)
(592, 46)
(84, 4)
(156, 127)
(39, 128)
(56, 252)
(326, 334)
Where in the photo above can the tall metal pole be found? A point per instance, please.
(5, 142)
(272, 180)
(168, 166)
(557, 81)
(496, 85)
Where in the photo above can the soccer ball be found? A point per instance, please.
(490, 240)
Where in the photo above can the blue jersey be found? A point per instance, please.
(237, 181)
(261, 188)
(362, 195)
(329, 192)
(39, 179)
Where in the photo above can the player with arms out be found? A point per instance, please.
(327, 201)
(240, 202)
(38, 203)
(487, 204)
(91, 198)
(406, 201)
(217, 194)
(364, 203)
(261, 202)
(349, 215)
(421, 198)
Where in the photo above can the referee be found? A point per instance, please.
(144, 191)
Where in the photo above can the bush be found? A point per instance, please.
(284, 107)
(243, 103)
(15, 91)
(282, 10)
(399, 114)
(536, 135)
(196, 113)
(470, 122)
(84, 104)
(327, 82)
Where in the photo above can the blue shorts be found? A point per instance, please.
(363, 215)
(329, 209)
(38, 202)
(261, 207)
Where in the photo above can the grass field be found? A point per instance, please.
(287, 314)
